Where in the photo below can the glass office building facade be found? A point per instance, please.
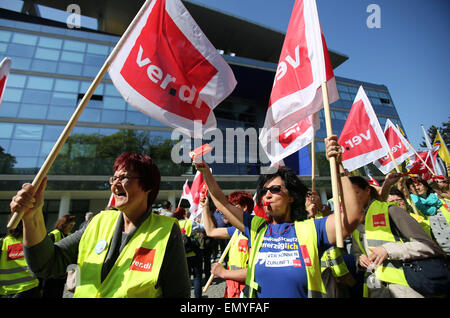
(52, 67)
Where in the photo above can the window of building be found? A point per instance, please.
(52, 132)
(50, 43)
(72, 57)
(74, 46)
(6, 130)
(46, 54)
(44, 66)
(69, 68)
(20, 50)
(64, 85)
(39, 82)
(16, 80)
(33, 111)
(37, 96)
(5, 36)
(22, 38)
(12, 95)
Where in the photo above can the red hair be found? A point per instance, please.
(143, 166)
(179, 213)
(242, 198)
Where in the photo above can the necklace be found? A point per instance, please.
(286, 229)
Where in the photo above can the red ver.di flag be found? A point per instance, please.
(400, 149)
(296, 93)
(5, 66)
(170, 71)
(362, 138)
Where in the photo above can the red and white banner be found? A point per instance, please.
(170, 71)
(296, 93)
(112, 201)
(5, 66)
(400, 149)
(186, 192)
(362, 138)
(198, 185)
(417, 166)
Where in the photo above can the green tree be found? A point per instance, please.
(444, 131)
(7, 162)
(95, 154)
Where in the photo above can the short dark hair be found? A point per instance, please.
(362, 183)
(397, 192)
(295, 187)
(166, 204)
(150, 177)
(411, 181)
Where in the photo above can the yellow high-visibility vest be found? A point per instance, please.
(15, 276)
(378, 232)
(137, 267)
(238, 253)
(308, 237)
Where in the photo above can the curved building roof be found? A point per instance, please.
(226, 32)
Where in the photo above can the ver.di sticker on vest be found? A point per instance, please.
(143, 260)
(379, 220)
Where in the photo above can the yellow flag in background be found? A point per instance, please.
(443, 151)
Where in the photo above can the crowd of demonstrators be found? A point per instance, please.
(235, 272)
(376, 245)
(128, 252)
(286, 236)
(281, 247)
(434, 211)
(17, 280)
(190, 229)
(53, 287)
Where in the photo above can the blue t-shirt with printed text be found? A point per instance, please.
(280, 267)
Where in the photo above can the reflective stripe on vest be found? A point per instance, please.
(334, 258)
(378, 232)
(238, 254)
(316, 288)
(15, 277)
(58, 235)
(136, 270)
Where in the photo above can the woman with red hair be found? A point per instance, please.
(128, 252)
(236, 272)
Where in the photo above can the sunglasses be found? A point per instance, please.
(275, 189)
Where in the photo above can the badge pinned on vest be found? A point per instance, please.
(100, 247)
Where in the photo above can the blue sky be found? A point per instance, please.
(409, 53)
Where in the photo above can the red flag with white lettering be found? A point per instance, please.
(400, 149)
(296, 93)
(5, 66)
(169, 70)
(362, 138)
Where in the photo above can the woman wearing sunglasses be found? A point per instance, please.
(286, 247)
(128, 252)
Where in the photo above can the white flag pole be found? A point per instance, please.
(17, 216)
